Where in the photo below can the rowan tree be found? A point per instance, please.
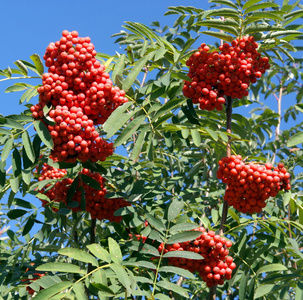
(161, 170)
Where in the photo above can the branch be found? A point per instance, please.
(229, 108)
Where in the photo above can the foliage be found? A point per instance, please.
(165, 164)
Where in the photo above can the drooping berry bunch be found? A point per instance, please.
(227, 72)
(95, 202)
(216, 265)
(250, 185)
(78, 95)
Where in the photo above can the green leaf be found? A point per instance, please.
(173, 287)
(224, 2)
(4, 131)
(142, 263)
(72, 189)
(114, 250)
(250, 3)
(286, 53)
(161, 297)
(220, 35)
(121, 275)
(60, 267)
(119, 68)
(176, 270)
(221, 25)
(99, 252)
(271, 268)
(263, 290)
(28, 147)
(160, 53)
(156, 223)
(262, 15)
(174, 209)
(184, 237)
(212, 133)
(44, 134)
(91, 182)
(221, 12)
(16, 213)
(53, 290)
(170, 105)
(243, 286)
(130, 129)
(138, 144)
(262, 5)
(38, 63)
(79, 291)
(261, 28)
(299, 291)
(196, 137)
(117, 119)
(183, 227)
(104, 288)
(16, 163)
(183, 254)
(130, 79)
(15, 88)
(295, 139)
(7, 149)
(15, 184)
(12, 124)
(21, 66)
(79, 255)
(28, 225)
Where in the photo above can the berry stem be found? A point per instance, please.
(21, 77)
(228, 109)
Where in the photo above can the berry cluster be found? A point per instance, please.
(47, 173)
(250, 185)
(95, 202)
(138, 237)
(225, 73)
(28, 281)
(216, 265)
(76, 95)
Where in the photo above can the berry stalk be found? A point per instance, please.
(228, 109)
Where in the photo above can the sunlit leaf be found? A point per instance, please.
(79, 255)
(60, 267)
(258, 6)
(38, 63)
(44, 134)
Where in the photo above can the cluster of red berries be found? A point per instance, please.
(96, 204)
(250, 185)
(139, 237)
(78, 95)
(216, 265)
(225, 73)
(28, 281)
